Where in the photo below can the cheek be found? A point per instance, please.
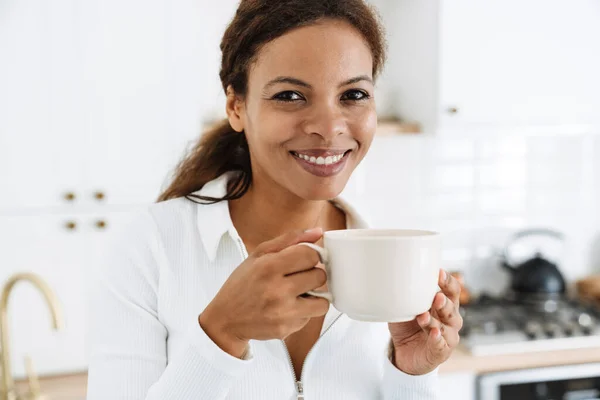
(266, 131)
(260, 127)
(363, 129)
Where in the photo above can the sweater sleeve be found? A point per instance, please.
(128, 341)
(398, 385)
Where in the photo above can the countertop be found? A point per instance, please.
(60, 387)
(462, 361)
(74, 386)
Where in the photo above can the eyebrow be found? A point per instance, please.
(299, 82)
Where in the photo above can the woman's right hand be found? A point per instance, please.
(261, 298)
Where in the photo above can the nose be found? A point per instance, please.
(326, 120)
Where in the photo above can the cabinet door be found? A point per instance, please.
(152, 72)
(50, 246)
(129, 139)
(41, 138)
(101, 227)
(519, 61)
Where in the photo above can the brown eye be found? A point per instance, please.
(355, 95)
(287, 96)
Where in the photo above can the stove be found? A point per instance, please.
(503, 325)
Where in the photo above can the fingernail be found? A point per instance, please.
(444, 275)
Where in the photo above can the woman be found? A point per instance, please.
(203, 298)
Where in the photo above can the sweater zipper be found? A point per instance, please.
(297, 383)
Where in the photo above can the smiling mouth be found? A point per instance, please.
(321, 157)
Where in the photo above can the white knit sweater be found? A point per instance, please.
(146, 342)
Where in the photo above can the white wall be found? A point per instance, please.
(478, 189)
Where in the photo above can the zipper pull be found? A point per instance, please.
(300, 390)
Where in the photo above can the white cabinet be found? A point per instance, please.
(88, 101)
(61, 249)
(41, 133)
(458, 64)
(129, 140)
(152, 76)
(100, 98)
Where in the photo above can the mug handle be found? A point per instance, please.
(324, 258)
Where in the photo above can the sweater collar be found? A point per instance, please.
(214, 220)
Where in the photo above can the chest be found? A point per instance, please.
(300, 343)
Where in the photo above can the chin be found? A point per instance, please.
(320, 191)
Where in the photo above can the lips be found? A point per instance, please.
(322, 163)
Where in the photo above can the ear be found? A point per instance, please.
(235, 110)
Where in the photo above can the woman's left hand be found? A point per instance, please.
(422, 344)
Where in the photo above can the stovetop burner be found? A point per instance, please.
(495, 325)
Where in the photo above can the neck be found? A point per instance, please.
(263, 214)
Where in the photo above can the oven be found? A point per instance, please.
(566, 382)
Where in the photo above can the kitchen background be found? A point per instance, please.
(99, 99)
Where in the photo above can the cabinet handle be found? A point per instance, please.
(101, 224)
(69, 196)
(452, 110)
(71, 225)
(99, 195)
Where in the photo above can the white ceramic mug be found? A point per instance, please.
(380, 275)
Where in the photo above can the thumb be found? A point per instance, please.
(289, 239)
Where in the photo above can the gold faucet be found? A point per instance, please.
(8, 390)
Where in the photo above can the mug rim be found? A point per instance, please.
(395, 234)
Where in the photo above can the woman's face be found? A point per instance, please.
(309, 112)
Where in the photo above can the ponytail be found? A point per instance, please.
(219, 150)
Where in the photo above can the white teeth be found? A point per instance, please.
(321, 160)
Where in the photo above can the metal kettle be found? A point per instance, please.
(537, 275)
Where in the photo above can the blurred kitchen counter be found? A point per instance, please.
(74, 386)
(60, 387)
(462, 361)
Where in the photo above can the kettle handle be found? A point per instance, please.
(525, 233)
(536, 232)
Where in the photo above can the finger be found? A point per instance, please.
(450, 287)
(311, 307)
(446, 311)
(296, 259)
(433, 326)
(450, 335)
(288, 239)
(304, 281)
(427, 322)
(436, 346)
